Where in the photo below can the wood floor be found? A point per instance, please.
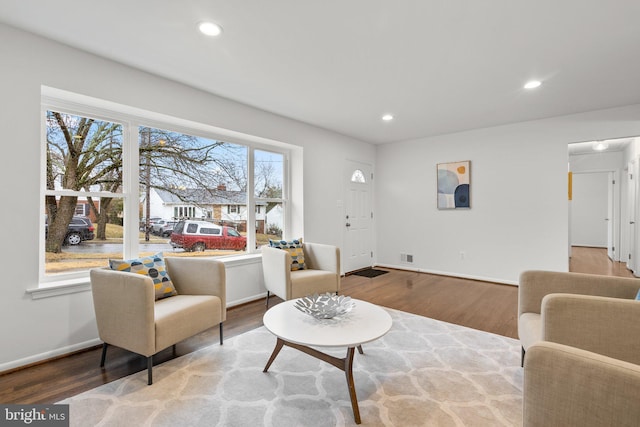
(485, 306)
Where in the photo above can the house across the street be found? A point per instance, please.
(222, 206)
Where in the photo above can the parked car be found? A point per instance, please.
(156, 225)
(166, 229)
(80, 229)
(201, 235)
(152, 220)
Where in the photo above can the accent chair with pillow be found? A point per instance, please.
(587, 311)
(151, 303)
(293, 269)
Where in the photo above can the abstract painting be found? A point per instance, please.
(453, 185)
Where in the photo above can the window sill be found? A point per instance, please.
(62, 287)
(72, 286)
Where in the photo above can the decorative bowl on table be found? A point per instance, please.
(325, 306)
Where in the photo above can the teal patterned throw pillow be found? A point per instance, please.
(294, 248)
(152, 266)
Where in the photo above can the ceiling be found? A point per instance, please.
(606, 144)
(439, 66)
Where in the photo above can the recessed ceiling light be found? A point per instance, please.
(387, 117)
(600, 146)
(210, 29)
(532, 84)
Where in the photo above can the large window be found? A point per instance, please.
(83, 191)
(269, 175)
(117, 186)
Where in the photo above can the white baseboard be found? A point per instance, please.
(448, 273)
(247, 299)
(62, 351)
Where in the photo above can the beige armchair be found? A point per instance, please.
(586, 311)
(322, 272)
(128, 316)
(567, 386)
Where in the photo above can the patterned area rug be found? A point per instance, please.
(422, 373)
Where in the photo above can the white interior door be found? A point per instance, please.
(357, 252)
(632, 192)
(610, 216)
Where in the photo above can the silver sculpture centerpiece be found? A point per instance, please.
(325, 306)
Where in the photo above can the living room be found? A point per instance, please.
(518, 218)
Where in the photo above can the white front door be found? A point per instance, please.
(358, 217)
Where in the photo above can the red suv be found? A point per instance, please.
(201, 235)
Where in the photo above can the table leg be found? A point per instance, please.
(276, 350)
(348, 370)
(344, 364)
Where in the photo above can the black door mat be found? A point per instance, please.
(369, 272)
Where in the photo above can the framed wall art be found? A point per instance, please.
(454, 181)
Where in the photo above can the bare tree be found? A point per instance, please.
(267, 183)
(85, 155)
(76, 159)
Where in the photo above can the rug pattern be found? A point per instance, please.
(422, 373)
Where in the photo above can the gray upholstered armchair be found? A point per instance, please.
(581, 337)
(587, 311)
(568, 386)
(322, 272)
(128, 316)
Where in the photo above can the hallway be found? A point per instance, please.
(596, 261)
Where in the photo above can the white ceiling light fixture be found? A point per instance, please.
(600, 146)
(387, 117)
(532, 84)
(210, 29)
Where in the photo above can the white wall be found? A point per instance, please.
(37, 329)
(519, 211)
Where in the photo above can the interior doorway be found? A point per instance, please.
(601, 209)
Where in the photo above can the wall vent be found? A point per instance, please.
(406, 258)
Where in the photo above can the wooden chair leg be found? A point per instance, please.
(149, 370)
(267, 300)
(104, 354)
(522, 358)
(221, 336)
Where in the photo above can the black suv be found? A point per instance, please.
(80, 229)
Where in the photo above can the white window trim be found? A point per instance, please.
(132, 118)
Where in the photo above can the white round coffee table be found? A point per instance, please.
(365, 323)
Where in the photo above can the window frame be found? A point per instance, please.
(286, 177)
(131, 119)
